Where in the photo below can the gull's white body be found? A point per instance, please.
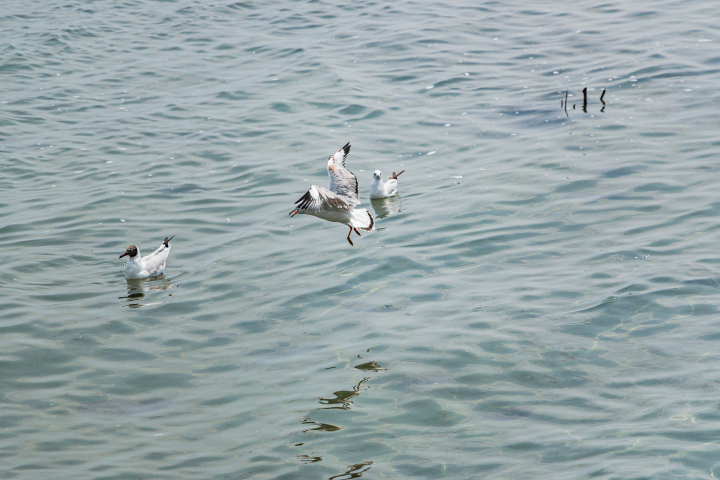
(138, 267)
(337, 204)
(380, 189)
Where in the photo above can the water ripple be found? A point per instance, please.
(541, 295)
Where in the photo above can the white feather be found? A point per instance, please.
(336, 204)
(380, 189)
(138, 267)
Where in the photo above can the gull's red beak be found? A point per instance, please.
(123, 255)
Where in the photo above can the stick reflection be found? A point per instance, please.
(322, 427)
(354, 471)
(342, 397)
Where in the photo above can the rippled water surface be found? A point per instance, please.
(541, 301)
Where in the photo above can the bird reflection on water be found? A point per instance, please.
(384, 207)
(137, 290)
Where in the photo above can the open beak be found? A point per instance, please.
(123, 255)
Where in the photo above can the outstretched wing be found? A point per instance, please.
(342, 181)
(340, 156)
(321, 199)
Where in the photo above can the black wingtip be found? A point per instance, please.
(395, 175)
(305, 198)
(346, 149)
(165, 242)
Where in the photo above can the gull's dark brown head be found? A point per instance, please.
(131, 251)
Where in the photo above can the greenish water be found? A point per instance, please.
(541, 301)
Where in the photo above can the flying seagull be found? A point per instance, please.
(337, 204)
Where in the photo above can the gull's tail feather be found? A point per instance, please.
(362, 219)
(395, 175)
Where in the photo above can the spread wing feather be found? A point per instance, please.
(340, 156)
(319, 198)
(342, 181)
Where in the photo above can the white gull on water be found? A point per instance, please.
(336, 204)
(145, 267)
(378, 189)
